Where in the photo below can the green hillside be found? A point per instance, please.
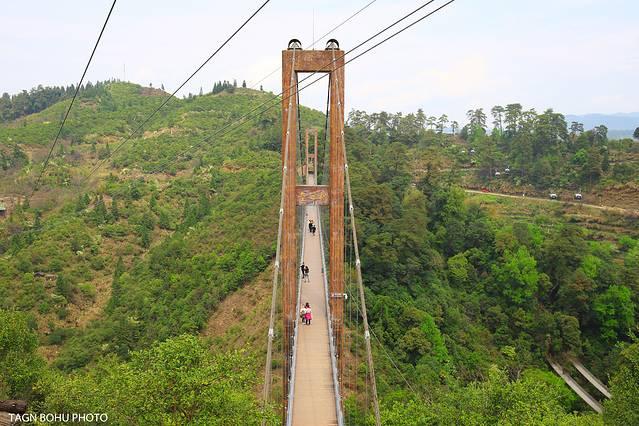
(108, 281)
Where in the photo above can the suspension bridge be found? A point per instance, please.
(314, 370)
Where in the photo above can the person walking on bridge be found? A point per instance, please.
(306, 271)
(308, 315)
(303, 270)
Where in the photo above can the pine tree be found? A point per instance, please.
(81, 204)
(100, 212)
(115, 210)
(119, 269)
(153, 201)
(37, 222)
(244, 84)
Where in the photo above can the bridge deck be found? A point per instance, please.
(314, 398)
(590, 377)
(583, 394)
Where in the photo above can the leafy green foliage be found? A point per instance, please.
(624, 385)
(175, 382)
(19, 363)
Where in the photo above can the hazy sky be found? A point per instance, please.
(575, 56)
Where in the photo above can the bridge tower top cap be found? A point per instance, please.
(332, 44)
(294, 44)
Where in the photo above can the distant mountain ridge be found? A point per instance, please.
(619, 125)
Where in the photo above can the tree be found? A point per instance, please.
(615, 312)
(576, 129)
(64, 287)
(244, 84)
(621, 409)
(517, 276)
(512, 118)
(476, 118)
(497, 111)
(454, 126)
(20, 365)
(442, 122)
(636, 133)
(431, 122)
(178, 381)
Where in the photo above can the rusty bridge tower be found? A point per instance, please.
(329, 61)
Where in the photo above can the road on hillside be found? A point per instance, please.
(548, 200)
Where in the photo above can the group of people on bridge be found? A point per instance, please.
(306, 313)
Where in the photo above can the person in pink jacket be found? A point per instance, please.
(308, 315)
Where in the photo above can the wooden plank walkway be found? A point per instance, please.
(314, 397)
(583, 394)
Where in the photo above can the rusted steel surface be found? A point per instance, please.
(313, 60)
(289, 246)
(312, 195)
(336, 213)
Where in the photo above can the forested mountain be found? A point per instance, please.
(108, 280)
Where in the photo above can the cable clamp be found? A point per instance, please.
(350, 207)
(346, 166)
(367, 335)
(358, 263)
(277, 264)
(281, 211)
(271, 332)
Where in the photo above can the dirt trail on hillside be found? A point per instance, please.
(620, 210)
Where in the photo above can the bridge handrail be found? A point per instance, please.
(338, 398)
(291, 388)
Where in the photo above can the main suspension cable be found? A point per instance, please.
(75, 95)
(226, 129)
(172, 95)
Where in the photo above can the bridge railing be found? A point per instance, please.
(336, 385)
(291, 388)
